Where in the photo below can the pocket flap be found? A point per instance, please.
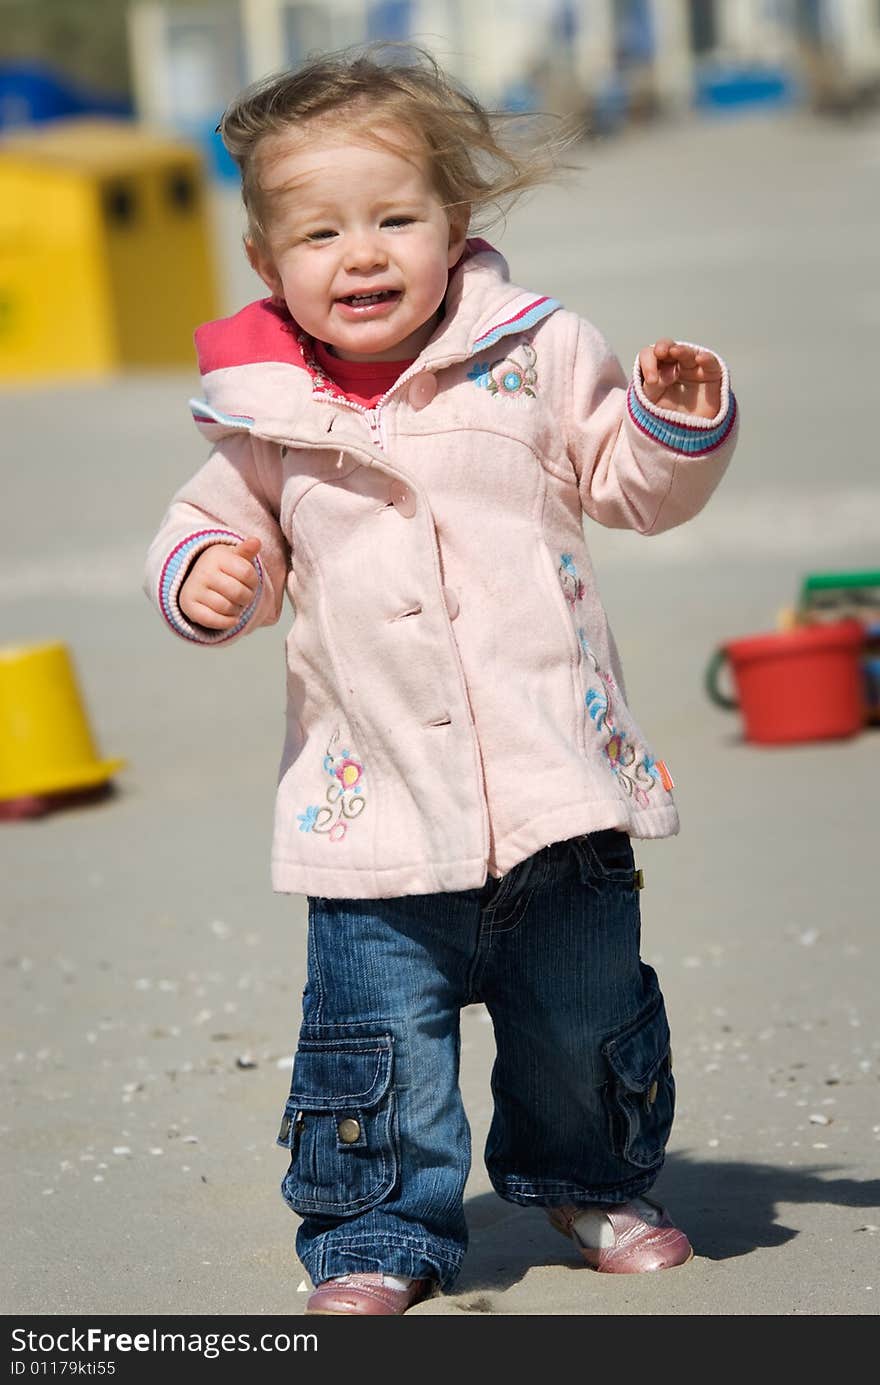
(340, 1074)
(637, 1054)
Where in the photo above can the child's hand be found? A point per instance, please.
(220, 584)
(675, 376)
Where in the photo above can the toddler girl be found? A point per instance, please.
(406, 443)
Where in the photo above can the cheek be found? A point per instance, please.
(302, 289)
(434, 278)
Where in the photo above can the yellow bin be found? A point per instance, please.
(46, 745)
(106, 258)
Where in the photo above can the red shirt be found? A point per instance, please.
(363, 381)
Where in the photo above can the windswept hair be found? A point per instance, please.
(471, 163)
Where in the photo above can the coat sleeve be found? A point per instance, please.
(637, 466)
(234, 496)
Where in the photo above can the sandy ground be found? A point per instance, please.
(152, 979)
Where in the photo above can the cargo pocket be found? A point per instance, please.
(641, 1088)
(339, 1125)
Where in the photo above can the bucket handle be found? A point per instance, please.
(713, 672)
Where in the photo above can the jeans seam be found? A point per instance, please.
(312, 947)
(595, 869)
(329, 1244)
(382, 1022)
(539, 1190)
(496, 925)
(514, 918)
(536, 880)
(537, 874)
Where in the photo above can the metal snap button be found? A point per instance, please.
(403, 500)
(348, 1130)
(422, 390)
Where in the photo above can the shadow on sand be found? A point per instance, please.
(728, 1209)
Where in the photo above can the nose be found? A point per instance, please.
(364, 251)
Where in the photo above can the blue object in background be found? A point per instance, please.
(610, 105)
(871, 667)
(218, 161)
(33, 92)
(566, 23)
(389, 19)
(519, 97)
(722, 89)
(635, 40)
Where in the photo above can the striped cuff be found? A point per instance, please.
(177, 565)
(684, 433)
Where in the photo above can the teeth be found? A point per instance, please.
(360, 298)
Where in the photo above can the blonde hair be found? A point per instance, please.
(469, 163)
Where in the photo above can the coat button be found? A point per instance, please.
(422, 390)
(451, 602)
(403, 500)
(348, 1130)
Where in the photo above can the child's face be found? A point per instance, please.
(350, 219)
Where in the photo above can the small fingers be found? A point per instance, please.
(689, 358)
(658, 366)
(223, 606)
(663, 347)
(241, 570)
(202, 614)
(674, 358)
(648, 365)
(248, 548)
(708, 364)
(239, 591)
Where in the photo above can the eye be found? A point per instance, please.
(320, 235)
(398, 221)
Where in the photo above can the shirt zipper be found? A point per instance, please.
(374, 415)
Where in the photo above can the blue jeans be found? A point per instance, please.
(582, 1083)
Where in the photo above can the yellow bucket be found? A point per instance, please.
(46, 745)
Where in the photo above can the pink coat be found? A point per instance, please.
(454, 696)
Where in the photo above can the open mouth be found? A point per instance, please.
(366, 300)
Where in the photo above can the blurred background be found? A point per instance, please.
(108, 110)
(726, 191)
(610, 61)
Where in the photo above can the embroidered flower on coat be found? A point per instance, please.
(619, 751)
(636, 772)
(507, 377)
(572, 587)
(348, 772)
(479, 373)
(597, 706)
(345, 795)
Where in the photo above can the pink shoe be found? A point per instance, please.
(644, 1237)
(367, 1294)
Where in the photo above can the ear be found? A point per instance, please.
(459, 220)
(261, 263)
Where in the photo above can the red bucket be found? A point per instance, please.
(795, 685)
